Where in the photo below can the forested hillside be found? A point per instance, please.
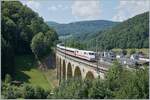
(19, 25)
(132, 33)
(82, 27)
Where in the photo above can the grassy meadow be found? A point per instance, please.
(28, 72)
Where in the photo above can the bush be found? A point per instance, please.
(28, 92)
(11, 91)
(68, 89)
(24, 91)
(84, 89)
(40, 93)
(98, 90)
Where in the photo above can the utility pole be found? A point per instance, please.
(65, 59)
(96, 55)
(65, 46)
(97, 58)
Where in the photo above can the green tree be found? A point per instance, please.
(83, 92)
(119, 83)
(113, 78)
(25, 91)
(98, 90)
(19, 25)
(42, 43)
(136, 85)
(38, 46)
(131, 33)
(75, 44)
(68, 89)
(7, 55)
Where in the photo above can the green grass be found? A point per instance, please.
(28, 72)
(52, 77)
(38, 79)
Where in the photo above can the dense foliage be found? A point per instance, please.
(25, 91)
(119, 83)
(19, 25)
(74, 44)
(42, 43)
(81, 27)
(132, 33)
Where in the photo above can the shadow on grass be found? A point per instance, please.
(21, 76)
(24, 63)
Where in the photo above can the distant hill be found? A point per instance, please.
(81, 27)
(132, 33)
(52, 23)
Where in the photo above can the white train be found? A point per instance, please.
(83, 54)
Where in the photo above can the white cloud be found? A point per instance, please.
(52, 8)
(89, 9)
(128, 9)
(57, 7)
(33, 4)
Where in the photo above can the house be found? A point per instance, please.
(144, 59)
(134, 56)
(109, 55)
(119, 56)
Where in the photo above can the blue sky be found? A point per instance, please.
(66, 11)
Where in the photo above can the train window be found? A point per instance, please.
(91, 53)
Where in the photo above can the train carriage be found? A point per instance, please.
(82, 54)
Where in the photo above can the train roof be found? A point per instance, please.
(66, 47)
(75, 49)
(87, 51)
(70, 48)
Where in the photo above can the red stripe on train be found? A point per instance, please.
(75, 55)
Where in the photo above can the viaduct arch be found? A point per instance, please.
(89, 75)
(69, 71)
(64, 69)
(77, 73)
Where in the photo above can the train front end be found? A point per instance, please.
(92, 56)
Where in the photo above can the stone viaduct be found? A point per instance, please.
(68, 67)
